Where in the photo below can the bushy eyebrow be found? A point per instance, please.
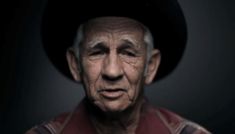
(128, 44)
(93, 43)
(99, 46)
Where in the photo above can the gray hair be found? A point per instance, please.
(148, 39)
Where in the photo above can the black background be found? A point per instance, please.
(202, 88)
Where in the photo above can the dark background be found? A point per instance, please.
(202, 88)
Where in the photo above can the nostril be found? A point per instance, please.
(112, 78)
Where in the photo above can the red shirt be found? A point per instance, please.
(152, 121)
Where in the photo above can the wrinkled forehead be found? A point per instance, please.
(113, 25)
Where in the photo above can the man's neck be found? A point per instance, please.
(124, 122)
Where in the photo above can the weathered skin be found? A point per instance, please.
(112, 60)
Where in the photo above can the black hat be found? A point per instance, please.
(164, 18)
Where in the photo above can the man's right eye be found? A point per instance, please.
(96, 53)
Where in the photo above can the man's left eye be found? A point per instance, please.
(128, 53)
(97, 53)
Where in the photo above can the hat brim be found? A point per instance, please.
(164, 18)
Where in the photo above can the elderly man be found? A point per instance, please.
(114, 57)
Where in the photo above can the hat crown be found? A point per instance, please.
(164, 19)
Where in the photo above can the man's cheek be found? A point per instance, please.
(92, 93)
(133, 70)
(92, 73)
(88, 81)
(131, 94)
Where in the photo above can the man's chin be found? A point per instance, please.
(113, 107)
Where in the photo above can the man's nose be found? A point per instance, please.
(112, 68)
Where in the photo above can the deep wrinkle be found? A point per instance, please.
(113, 62)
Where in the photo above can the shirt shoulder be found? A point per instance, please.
(53, 126)
(75, 121)
(178, 124)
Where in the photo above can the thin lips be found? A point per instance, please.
(112, 90)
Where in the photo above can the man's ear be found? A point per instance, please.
(152, 66)
(73, 64)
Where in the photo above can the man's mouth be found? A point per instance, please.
(112, 94)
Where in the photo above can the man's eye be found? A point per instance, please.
(128, 53)
(96, 53)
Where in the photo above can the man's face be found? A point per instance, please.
(113, 59)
